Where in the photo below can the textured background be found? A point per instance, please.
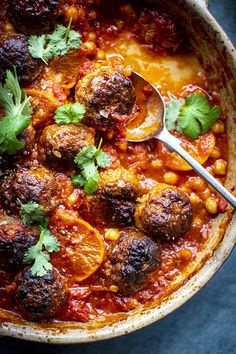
(204, 325)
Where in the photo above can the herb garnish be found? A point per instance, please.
(31, 213)
(58, 43)
(17, 113)
(70, 113)
(88, 160)
(193, 116)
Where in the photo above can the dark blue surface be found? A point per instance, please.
(204, 325)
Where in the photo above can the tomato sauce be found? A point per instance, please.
(111, 41)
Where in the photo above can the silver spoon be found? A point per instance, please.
(156, 128)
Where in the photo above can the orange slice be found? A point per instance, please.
(44, 105)
(81, 246)
(200, 149)
(68, 67)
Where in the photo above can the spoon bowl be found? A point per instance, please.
(155, 118)
(153, 127)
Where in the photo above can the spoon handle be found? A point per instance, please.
(174, 144)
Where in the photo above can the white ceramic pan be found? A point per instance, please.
(217, 54)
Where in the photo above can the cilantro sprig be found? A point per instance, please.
(46, 47)
(70, 113)
(193, 116)
(37, 255)
(34, 213)
(17, 114)
(89, 159)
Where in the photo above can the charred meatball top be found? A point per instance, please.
(40, 297)
(15, 239)
(62, 142)
(36, 184)
(133, 257)
(115, 200)
(164, 213)
(157, 29)
(34, 17)
(14, 52)
(109, 97)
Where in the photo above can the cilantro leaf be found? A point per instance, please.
(32, 212)
(88, 160)
(91, 185)
(85, 155)
(89, 170)
(17, 114)
(32, 253)
(70, 113)
(192, 117)
(188, 125)
(50, 242)
(78, 180)
(172, 113)
(197, 116)
(41, 264)
(58, 43)
(103, 160)
(37, 48)
(41, 260)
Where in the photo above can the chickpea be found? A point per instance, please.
(194, 198)
(119, 24)
(185, 189)
(97, 66)
(89, 48)
(127, 10)
(157, 164)
(197, 184)
(111, 234)
(220, 167)
(8, 27)
(100, 55)
(205, 194)
(211, 205)
(109, 134)
(197, 222)
(114, 288)
(72, 12)
(218, 128)
(92, 15)
(215, 154)
(91, 36)
(122, 145)
(170, 178)
(185, 255)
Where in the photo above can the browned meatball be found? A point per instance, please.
(164, 213)
(35, 184)
(158, 30)
(15, 239)
(14, 52)
(28, 138)
(115, 201)
(34, 17)
(132, 258)
(40, 297)
(109, 97)
(62, 142)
